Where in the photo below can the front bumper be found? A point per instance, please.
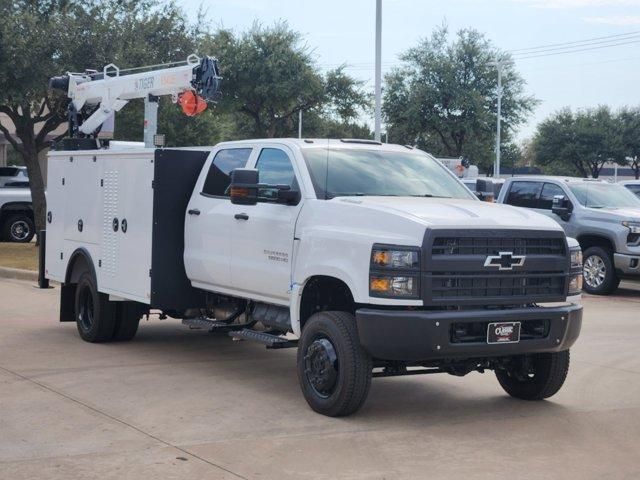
(413, 336)
(627, 264)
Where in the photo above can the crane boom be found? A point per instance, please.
(97, 96)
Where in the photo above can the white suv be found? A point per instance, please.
(11, 175)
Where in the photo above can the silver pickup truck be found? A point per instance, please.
(16, 215)
(604, 217)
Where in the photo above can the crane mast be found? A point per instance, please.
(95, 97)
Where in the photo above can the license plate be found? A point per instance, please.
(503, 332)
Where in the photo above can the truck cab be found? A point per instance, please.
(371, 259)
(604, 217)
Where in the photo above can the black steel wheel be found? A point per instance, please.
(334, 370)
(19, 229)
(534, 377)
(95, 314)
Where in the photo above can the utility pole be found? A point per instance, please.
(499, 64)
(378, 79)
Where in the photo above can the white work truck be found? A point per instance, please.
(372, 259)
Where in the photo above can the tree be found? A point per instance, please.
(269, 76)
(43, 38)
(630, 126)
(444, 97)
(579, 143)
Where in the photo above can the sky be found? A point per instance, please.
(342, 32)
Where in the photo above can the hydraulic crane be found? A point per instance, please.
(97, 96)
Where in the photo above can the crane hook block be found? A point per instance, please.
(206, 82)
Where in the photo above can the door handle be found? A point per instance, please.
(241, 216)
(194, 211)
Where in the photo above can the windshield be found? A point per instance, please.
(604, 195)
(355, 172)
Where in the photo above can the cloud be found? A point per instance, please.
(621, 20)
(580, 3)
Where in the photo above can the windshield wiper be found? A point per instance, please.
(428, 195)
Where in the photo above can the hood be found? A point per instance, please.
(449, 212)
(615, 214)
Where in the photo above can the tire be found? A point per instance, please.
(598, 272)
(547, 374)
(95, 314)
(334, 371)
(19, 229)
(127, 321)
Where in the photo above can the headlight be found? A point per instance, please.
(576, 258)
(394, 272)
(634, 227)
(575, 284)
(388, 257)
(393, 286)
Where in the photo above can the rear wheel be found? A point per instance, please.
(333, 369)
(599, 272)
(19, 228)
(95, 314)
(535, 377)
(127, 322)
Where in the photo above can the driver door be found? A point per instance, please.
(263, 234)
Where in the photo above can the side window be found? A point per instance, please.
(524, 194)
(218, 178)
(549, 190)
(274, 167)
(635, 189)
(8, 171)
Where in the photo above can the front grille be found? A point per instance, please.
(476, 332)
(457, 270)
(494, 245)
(449, 285)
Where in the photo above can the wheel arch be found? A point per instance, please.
(595, 240)
(322, 293)
(79, 261)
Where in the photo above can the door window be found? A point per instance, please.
(634, 189)
(274, 167)
(218, 178)
(524, 194)
(549, 190)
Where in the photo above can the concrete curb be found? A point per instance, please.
(18, 274)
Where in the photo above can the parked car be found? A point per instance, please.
(486, 189)
(633, 185)
(604, 217)
(16, 215)
(13, 174)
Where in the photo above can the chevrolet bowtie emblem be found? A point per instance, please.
(504, 261)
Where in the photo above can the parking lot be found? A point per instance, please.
(180, 403)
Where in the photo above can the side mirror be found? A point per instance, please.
(288, 196)
(562, 207)
(484, 190)
(244, 186)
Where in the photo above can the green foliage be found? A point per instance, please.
(629, 119)
(444, 97)
(269, 76)
(579, 143)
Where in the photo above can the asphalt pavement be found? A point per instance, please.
(181, 403)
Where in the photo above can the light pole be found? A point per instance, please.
(499, 64)
(378, 79)
(300, 123)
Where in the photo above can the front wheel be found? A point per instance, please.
(599, 272)
(534, 377)
(333, 369)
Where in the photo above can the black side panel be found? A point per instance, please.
(175, 174)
